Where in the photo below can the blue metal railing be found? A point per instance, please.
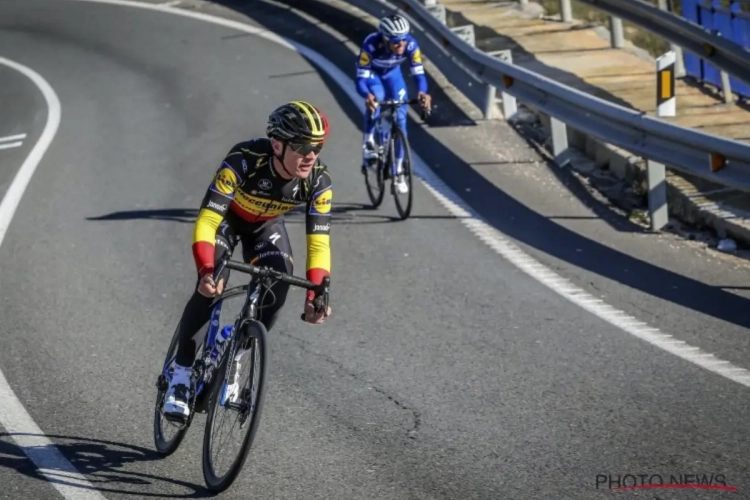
(730, 23)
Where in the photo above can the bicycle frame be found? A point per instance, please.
(204, 367)
(384, 126)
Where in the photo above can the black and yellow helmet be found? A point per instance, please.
(298, 121)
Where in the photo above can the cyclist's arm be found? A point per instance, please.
(213, 209)
(416, 67)
(318, 228)
(364, 68)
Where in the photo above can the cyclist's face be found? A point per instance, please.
(397, 47)
(298, 158)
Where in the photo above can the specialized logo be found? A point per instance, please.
(216, 206)
(416, 57)
(321, 204)
(225, 181)
(264, 184)
(364, 58)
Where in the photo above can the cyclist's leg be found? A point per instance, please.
(395, 87)
(368, 143)
(270, 247)
(195, 315)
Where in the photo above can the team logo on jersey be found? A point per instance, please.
(321, 204)
(416, 57)
(264, 184)
(225, 181)
(364, 58)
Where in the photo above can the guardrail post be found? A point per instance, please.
(510, 107)
(617, 38)
(559, 141)
(437, 10)
(679, 69)
(657, 195)
(566, 11)
(726, 87)
(465, 33)
(666, 99)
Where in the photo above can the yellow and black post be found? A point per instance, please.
(666, 99)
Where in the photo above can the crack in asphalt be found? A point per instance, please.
(416, 414)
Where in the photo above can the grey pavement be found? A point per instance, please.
(444, 373)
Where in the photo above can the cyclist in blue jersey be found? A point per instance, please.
(379, 77)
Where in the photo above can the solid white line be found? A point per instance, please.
(472, 220)
(12, 137)
(13, 416)
(11, 145)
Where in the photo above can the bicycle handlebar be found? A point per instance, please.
(393, 103)
(320, 302)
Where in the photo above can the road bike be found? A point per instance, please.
(387, 131)
(215, 374)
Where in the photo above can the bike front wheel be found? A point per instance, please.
(403, 207)
(231, 398)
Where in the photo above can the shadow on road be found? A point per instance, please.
(102, 463)
(341, 213)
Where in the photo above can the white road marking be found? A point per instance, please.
(13, 137)
(11, 145)
(13, 416)
(484, 231)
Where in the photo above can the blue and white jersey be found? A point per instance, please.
(375, 58)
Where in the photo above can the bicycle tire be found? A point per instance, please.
(403, 212)
(256, 330)
(375, 199)
(164, 447)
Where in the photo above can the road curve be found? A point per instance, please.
(444, 373)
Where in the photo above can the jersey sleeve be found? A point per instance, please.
(416, 66)
(318, 228)
(364, 66)
(213, 209)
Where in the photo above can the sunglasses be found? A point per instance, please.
(305, 149)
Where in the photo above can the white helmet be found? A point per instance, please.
(394, 27)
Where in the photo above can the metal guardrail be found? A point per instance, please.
(717, 159)
(722, 53)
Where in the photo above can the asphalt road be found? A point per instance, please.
(445, 372)
(23, 117)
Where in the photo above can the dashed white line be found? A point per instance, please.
(11, 145)
(13, 416)
(13, 137)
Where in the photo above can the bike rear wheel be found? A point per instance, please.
(375, 183)
(403, 208)
(166, 446)
(251, 347)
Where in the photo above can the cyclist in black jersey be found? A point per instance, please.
(257, 182)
